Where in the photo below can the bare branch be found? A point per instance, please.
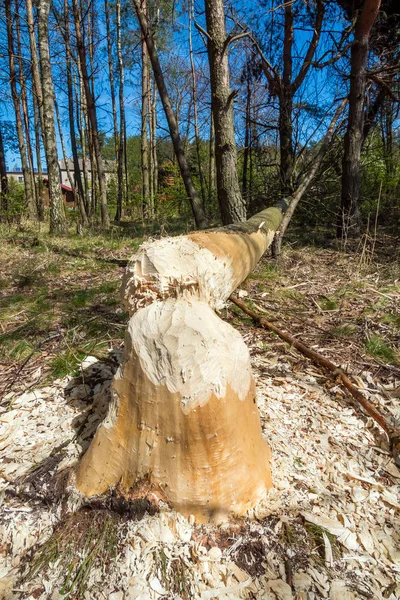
(312, 46)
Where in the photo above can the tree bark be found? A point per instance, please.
(25, 112)
(17, 109)
(3, 180)
(144, 144)
(37, 106)
(58, 223)
(38, 133)
(211, 166)
(83, 203)
(153, 143)
(92, 117)
(349, 217)
(197, 208)
(121, 137)
(286, 106)
(247, 138)
(185, 382)
(111, 77)
(195, 113)
(231, 204)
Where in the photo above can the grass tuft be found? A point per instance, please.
(84, 540)
(376, 346)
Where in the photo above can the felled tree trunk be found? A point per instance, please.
(183, 412)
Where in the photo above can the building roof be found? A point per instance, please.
(109, 165)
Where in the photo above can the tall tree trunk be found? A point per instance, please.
(150, 152)
(195, 113)
(349, 217)
(38, 130)
(153, 142)
(3, 180)
(29, 199)
(286, 106)
(37, 106)
(232, 205)
(83, 203)
(58, 223)
(197, 208)
(77, 198)
(247, 139)
(37, 85)
(185, 383)
(211, 169)
(24, 103)
(92, 116)
(111, 77)
(121, 140)
(144, 146)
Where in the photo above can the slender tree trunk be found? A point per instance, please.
(150, 151)
(80, 121)
(197, 208)
(24, 103)
(30, 204)
(153, 142)
(195, 113)
(232, 205)
(58, 223)
(349, 217)
(92, 116)
(247, 138)
(37, 106)
(37, 85)
(83, 202)
(3, 180)
(77, 198)
(111, 77)
(144, 147)
(211, 169)
(121, 137)
(286, 106)
(38, 129)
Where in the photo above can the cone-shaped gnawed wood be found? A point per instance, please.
(183, 411)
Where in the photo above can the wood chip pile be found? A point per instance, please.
(329, 528)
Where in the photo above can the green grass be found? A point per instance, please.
(66, 363)
(316, 537)
(345, 330)
(378, 347)
(84, 540)
(265, 271)
(327, 303)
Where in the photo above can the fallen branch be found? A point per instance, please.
(393, 433)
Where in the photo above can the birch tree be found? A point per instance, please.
(58, 223)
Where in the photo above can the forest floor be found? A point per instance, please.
(330, 526)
